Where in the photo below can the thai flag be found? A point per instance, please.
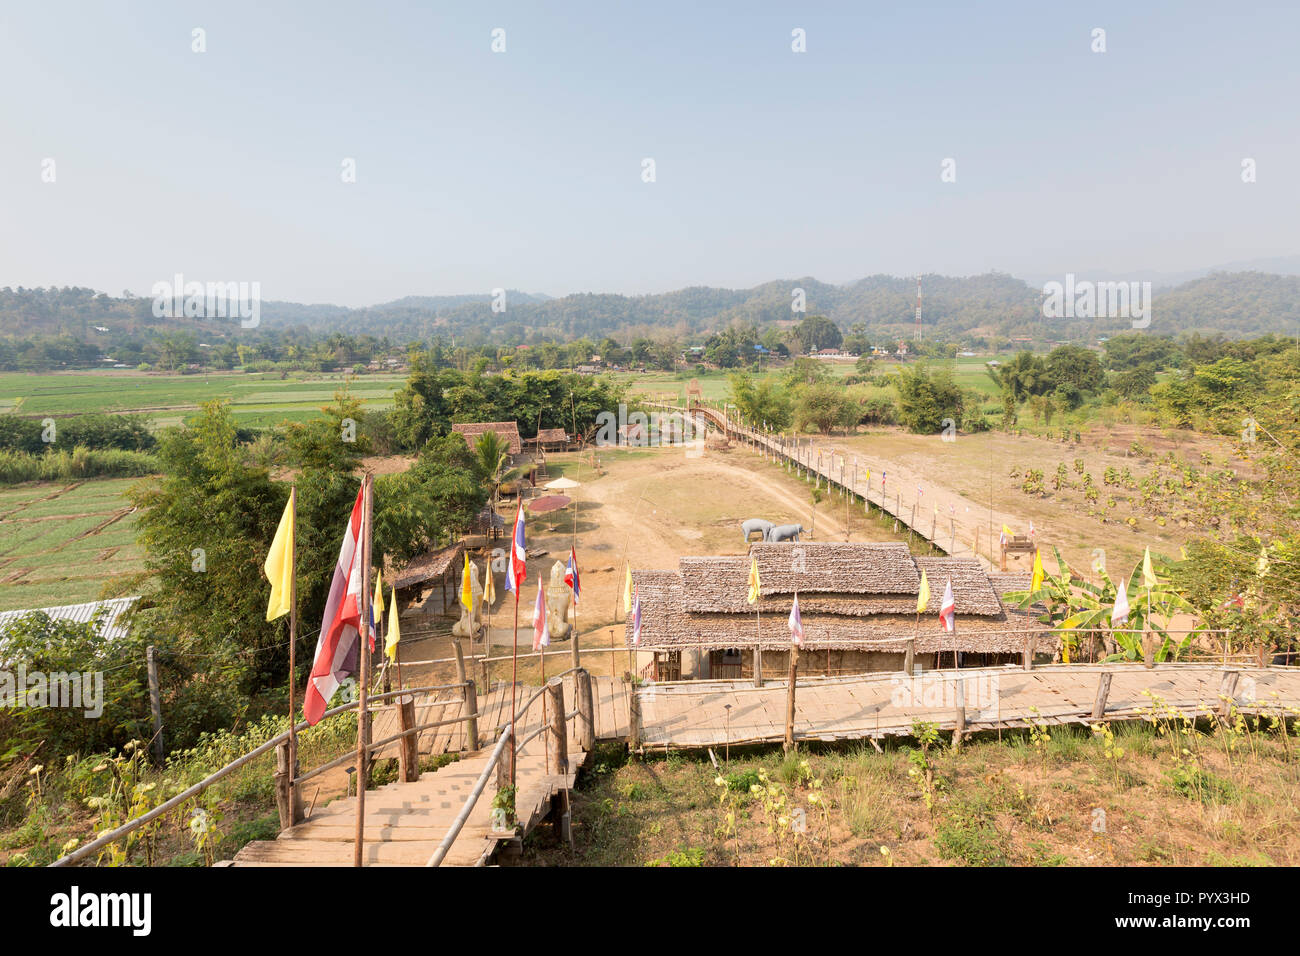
(948, 609)
(636, 619)
(883, 476)
(571, 575)
(541, 632)
(516, 570)
(796, 624)
(336, 647)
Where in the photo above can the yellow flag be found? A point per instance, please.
(378, 596)
(753, 581)
(923, 596)
(1065, 651)
(394, 631)
(279, 566)
(627, 591)
(489, 587)
(466, 588)
(1148, 572)
(1008, 532)
(1036, 581)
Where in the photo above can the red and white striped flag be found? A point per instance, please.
(541, 630)
(948, 609)
(336, 647)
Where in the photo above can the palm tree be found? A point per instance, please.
(492, 463)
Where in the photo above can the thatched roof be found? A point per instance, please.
(509, 431)
(886, 632)
(428, 566)
(849, 595)
(549, 435)
(787, 567)
(970, 584)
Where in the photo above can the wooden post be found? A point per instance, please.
(633, 719)
(155, 705)
(758, 665)
(586, 728)
(959, 726)
(408, 747)
(1228, 690)
(789, 698)
(909, 657)
(557, 739)
(461, 677)
(471, 711)
(1028, 656)
(282, 802)
(1103, 691)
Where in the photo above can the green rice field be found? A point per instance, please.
(257, 400)
(65, 542)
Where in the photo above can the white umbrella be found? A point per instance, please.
(561, 484)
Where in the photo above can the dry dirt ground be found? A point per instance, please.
(968, 479)
(647, 508)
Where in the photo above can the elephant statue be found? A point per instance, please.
(559, 603)
(785, 532)
(471, 622)
(751, 525)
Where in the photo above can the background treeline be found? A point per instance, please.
(43, 329)
(1207, 383)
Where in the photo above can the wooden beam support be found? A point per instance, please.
(408, 747)
(586, 725)
(1103, 691)
(557, 737)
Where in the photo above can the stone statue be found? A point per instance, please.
(471, 622)
(785, 532)
(751, 525)
(559, 603)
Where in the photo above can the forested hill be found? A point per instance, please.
(996, 304)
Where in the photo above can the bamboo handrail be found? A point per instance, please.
(81, 852)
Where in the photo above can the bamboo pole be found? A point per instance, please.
(363, 652)
(789, 697)
(295, 799)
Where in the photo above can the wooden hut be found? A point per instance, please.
(857, 601)
(433, 569)
(549, 439)
(509, 432)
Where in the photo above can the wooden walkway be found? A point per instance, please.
(870, 706)
(405, 822)
(939, 529)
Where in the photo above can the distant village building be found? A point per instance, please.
(509, 431)
(857, 601)
(835, 355)
(549, 439)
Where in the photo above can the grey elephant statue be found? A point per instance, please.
(757, 524)
(785, 532)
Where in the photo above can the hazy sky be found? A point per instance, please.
(523, 169)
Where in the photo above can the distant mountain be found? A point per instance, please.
(1278, 265)
(969, 309)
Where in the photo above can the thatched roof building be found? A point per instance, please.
(851, 596)
(509, 432)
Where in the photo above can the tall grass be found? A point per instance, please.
(80, 462)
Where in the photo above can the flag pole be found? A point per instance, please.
(514, 676)
(293, 640)
(363, 652)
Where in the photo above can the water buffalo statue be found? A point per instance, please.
(757, 524)
(785, 532)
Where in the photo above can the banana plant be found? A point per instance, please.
(1075, 604)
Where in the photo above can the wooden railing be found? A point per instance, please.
(280, 742)
(557, 759)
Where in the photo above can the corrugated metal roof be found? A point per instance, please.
(109, 628)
